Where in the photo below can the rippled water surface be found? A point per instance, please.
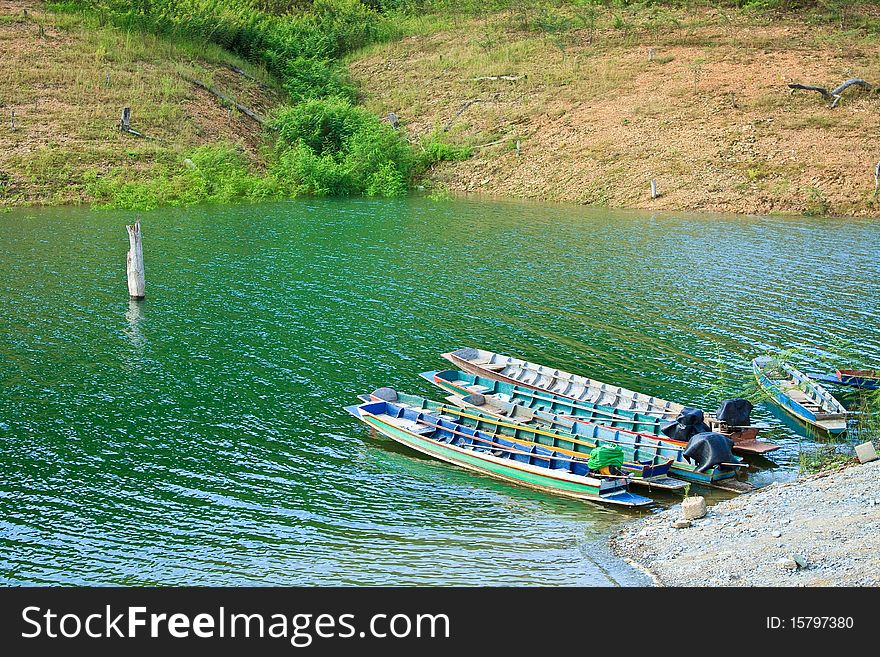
(199, 437)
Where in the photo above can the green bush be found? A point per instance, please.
(434, 150)
(325, 146)
(331, 147)
(306, 78)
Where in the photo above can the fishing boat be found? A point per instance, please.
(869, 379)
(800, 395)
(539, 377)
(865, 379)
(593, 421)
(534, 466)
(642, 461)
(519, 372)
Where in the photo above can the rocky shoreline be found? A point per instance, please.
(820, 530)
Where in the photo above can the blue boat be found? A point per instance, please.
(865, 379)
(534, 466)
(799, 395)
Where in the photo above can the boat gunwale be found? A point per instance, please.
(665, 407)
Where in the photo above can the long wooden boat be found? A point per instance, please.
(800, 395)
(539, 377)
(849, 378)
(593, 420)
(534, 466)
(582, 389)
(869, 379)
(643, 462)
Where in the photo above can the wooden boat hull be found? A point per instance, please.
(800, 396)
(865, 383)
(386, 419)
(538, 377)
(589, 418)
(518, 372)
(645, 467)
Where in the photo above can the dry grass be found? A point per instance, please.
(67, 80)
(710, 117)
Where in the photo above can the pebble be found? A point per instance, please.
(681, 524)
(787, 564)
(777, 534)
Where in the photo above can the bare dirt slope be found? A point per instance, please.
(710, 117)
(67, 79)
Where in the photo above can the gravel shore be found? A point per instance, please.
(821, 530)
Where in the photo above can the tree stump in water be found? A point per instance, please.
(135, 262)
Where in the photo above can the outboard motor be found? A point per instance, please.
(736, 412)
(689, 423)
(709, 449)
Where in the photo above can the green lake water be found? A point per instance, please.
(199, 437)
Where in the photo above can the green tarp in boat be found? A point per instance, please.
(604, 456)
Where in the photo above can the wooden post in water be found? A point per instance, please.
(135, 262)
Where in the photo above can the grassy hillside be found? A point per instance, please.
(708, 115)
(67, 78)
(105, 54)
(582, 100)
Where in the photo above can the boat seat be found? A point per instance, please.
(494, 367)
(415, 427)
(478, 388)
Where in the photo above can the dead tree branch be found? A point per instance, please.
(125, 125)
(509, 78)
(460, 111)
(229, 101)
(835, 94)
(245, 74)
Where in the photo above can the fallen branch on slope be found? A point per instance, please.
(245, 74)
(229, 101)
(509, 78)
(835, 94)
(460, 111)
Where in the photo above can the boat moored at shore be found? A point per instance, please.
(799, 395)
(643, 462)
(533, 466)
(578, 388)
(590, 420)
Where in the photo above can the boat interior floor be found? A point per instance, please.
(799, 396)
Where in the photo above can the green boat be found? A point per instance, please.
(593, 421)
(642, 462)
(534, 466)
